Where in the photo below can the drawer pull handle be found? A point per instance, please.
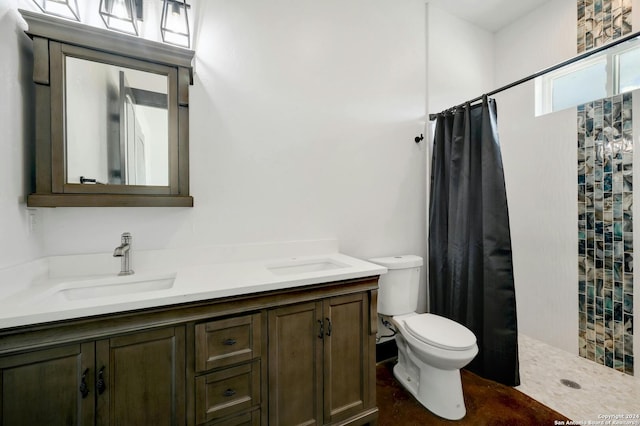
(229, 392)
(328, 327)
(101, 385)
(230, 342)
(321, 332)
(84, 389)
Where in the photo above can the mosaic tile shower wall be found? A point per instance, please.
(600, 21)
(605, 232)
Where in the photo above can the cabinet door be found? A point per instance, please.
(144, 378)
(346, 357)
(48, 387)
(295, 365)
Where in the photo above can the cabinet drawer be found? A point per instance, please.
(227, 391)
(251, 418)
(229, 341)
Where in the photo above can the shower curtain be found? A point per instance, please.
(470, 263)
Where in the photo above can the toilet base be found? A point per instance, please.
(439, 391)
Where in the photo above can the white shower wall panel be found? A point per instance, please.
(540, 163)
(539, 157)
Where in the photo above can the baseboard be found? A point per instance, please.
(386, 351)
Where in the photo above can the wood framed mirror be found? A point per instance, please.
(111, 117)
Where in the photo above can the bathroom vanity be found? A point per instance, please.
(300, 351)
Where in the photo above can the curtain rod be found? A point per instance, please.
(547, 70)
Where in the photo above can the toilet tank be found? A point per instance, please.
(398, 288)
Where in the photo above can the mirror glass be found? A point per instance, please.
(117, 125)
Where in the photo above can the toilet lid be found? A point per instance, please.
(440, 332)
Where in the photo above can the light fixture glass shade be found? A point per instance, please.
(63, 8)
(119, 15)
(174, 25)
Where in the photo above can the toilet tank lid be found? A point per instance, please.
(398, 262)
(440, 332)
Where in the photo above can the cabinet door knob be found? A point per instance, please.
(84, 389)
(100, 384)
(230, 342)
(321, 333)
(328, 327)
(229, 392)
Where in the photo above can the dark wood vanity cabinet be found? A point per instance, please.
(287, 357)
(319, 357)
(133, 379)
(144, 378)
(45, 387)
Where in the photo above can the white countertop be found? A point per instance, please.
(46, 298)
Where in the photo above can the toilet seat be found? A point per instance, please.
(440, 332)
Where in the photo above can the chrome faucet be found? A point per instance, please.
(123, 252)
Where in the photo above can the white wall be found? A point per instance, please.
(303, 115)
(540, 162)
(307, 112)
(460, 60)
(17, 244)
(543, 38)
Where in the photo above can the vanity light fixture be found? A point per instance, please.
(120, 15)
(174, 24)
(63, 8)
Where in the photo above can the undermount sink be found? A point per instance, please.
(302, 266)
(112, 286)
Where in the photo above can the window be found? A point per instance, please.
(611, 72)
(628, 66)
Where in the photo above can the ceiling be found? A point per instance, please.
(492, 15)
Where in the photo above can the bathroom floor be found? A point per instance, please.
(540, 399)
(603, 391)
(488, 403)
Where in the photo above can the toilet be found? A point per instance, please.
(431, 349)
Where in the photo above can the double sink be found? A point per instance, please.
(109, 286)
(68, 287)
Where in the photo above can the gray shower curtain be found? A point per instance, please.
(470, 263)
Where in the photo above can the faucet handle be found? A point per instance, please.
(126, 237)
